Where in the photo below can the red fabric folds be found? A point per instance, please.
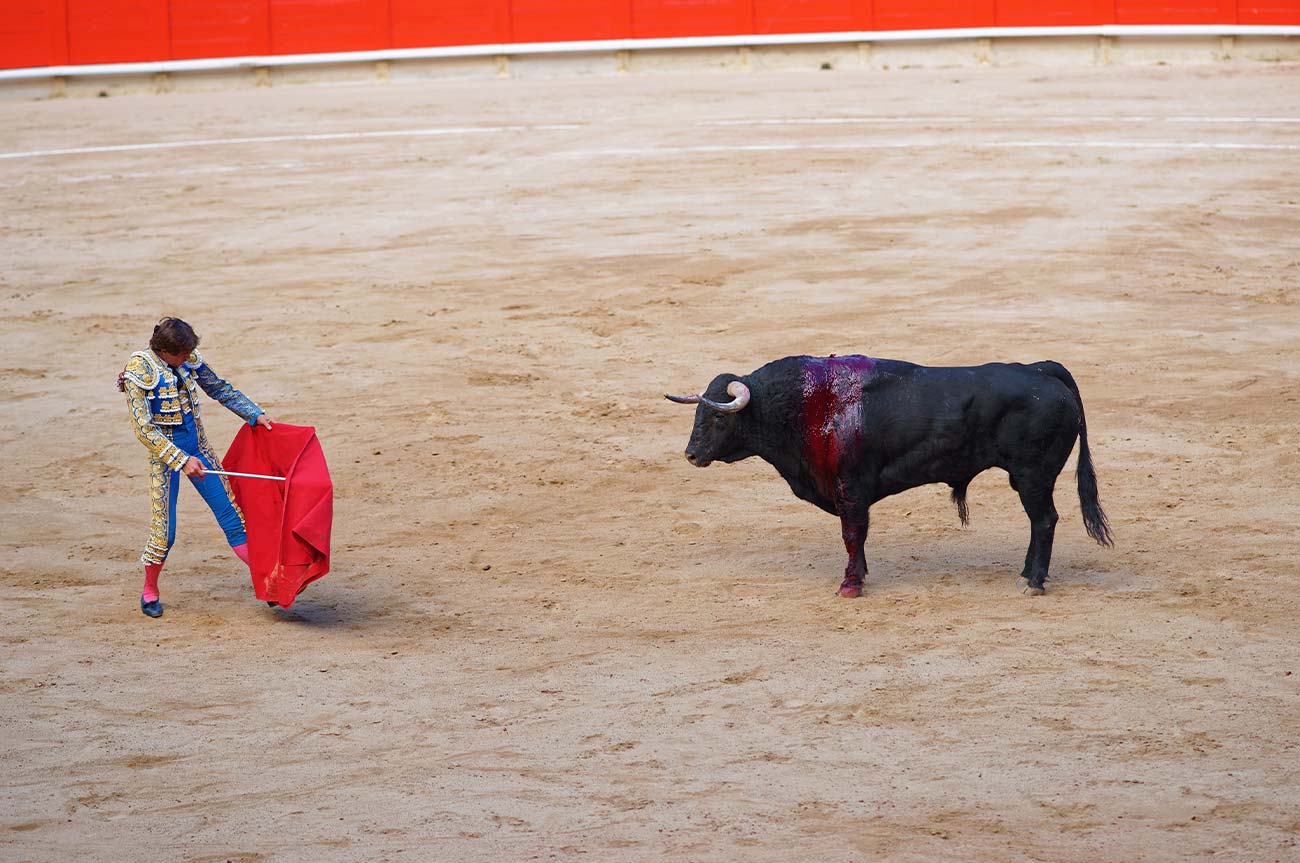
(288, 522)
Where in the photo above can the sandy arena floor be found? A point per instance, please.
(548, 636)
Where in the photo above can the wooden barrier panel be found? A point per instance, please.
(934, 14)
(33, 33)
(219, 28)
(117, 31)
(569, 20)
(1269, 12)
(1034, 13)
(811, 16)
(318, 26)
(1176, 11)
(654, 19)
(422, 24)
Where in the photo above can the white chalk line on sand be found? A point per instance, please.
(278, 139)
(1005, 119)
(786, 121)
(778, 121)
(932, 145)
(703, 149)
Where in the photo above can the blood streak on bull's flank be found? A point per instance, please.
(832, 416)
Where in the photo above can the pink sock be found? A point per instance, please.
(241, 551)
(151, 572)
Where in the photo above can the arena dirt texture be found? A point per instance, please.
(546, 635)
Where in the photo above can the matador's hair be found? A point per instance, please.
(174, 336)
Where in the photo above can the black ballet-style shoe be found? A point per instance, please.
(151, 609)
(272, 604)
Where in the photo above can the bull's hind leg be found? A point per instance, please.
(1036, 497)
(854, 531)
(1032, 553)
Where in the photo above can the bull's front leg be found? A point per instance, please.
(854, 530)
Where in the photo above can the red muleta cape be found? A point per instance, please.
(288, 523)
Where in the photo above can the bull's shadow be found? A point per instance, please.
(912, 563)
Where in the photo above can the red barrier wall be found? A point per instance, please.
(33, 33)
(1184, 11)
(317, 26)
(653, 19)
(219, 28)
(565, 20)
(422, 24)
(57, 32)
(812, 16)
(1033, 13)
(1269, 12)
(101, 31)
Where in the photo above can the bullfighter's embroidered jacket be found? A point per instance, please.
(160, 398)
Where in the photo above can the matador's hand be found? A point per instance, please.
(264, 421)
(193, 468)
(121, 381)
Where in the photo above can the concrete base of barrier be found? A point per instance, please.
(95, 85)
(1035, 51)
(1059, 51)
(199, 82)
(686, 60)
(445, 68)
(1263, 49)
(822, 57)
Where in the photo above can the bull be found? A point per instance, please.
(847, 431)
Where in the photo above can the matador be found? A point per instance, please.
(162, 389)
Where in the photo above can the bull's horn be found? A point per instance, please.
(740, 397)
(684, 400)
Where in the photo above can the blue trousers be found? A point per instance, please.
(214, 490)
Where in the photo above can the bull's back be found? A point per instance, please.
(926, 424)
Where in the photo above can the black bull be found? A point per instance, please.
(845, 432)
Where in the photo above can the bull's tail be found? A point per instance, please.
(1094, 519)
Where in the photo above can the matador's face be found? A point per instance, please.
(173, 360)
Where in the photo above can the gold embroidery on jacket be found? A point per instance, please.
(160, 480)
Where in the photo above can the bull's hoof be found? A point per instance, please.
(850, 591)
(1035, 591)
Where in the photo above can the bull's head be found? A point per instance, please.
(714, 436)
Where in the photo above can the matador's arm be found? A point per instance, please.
(219, 389)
